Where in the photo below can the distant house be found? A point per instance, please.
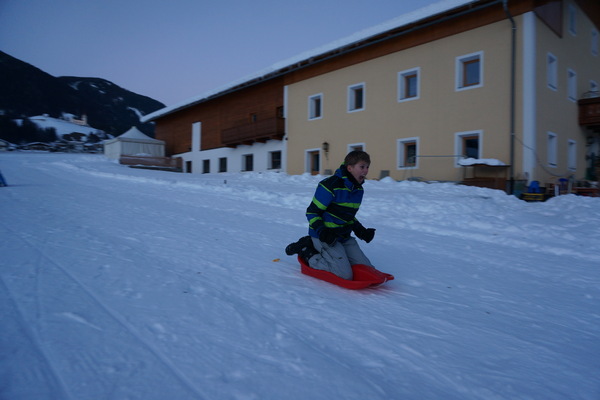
(78, 121)
(514, 82)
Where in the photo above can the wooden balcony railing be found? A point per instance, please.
(589, 111)
(257, 131)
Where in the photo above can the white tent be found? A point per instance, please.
(132, 143)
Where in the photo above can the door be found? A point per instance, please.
(314, 162)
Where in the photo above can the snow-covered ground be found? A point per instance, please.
(121, 283)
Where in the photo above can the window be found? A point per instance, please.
(467, 145)
(572, 16)
(275, 160)
(315, 106)
(552, 149)
(552, 71)
(469, 71)
(470, 145)
(408, 85)
(223, 164)
(205, 166)
(594, 42)
(572, 85)
(356, 97)
(572, 155)
(356, 147)
(248, 162)
(407, 153)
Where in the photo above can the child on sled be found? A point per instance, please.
(332, 219)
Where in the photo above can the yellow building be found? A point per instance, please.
(422, 108)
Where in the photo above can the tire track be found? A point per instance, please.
(165, 361)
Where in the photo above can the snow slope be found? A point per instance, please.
(63, 127)
(121, 283)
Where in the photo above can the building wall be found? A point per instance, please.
(557, 113)
(218, 114)
(214, 116)
(194, 162)
(435, 118)
(442, 113)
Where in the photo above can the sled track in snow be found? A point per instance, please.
(247, 310)
(162, 358)
(34, 339)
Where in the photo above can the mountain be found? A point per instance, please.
(27, 91)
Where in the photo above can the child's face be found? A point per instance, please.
(359, 171)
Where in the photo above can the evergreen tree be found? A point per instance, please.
(28, 131)
(9, 130)
(47, 135)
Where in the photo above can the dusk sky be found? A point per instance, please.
(175, 50)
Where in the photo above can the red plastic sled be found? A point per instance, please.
(364, 276)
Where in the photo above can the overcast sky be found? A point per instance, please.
(174, 50)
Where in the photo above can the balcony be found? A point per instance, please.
(251, 132)
(589, 110)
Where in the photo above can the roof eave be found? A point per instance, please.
(426, 21)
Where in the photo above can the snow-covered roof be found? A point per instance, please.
(405, 19)
(492, 162)
(134, 135)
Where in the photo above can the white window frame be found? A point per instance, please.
(402, 75)
(552, 149)
(572, 155)
(352, 107)
(356, 146)
(552, 71)
(401, 153)
(458, 144)
(312, 109)
(307, 160)
(571, 85)
(460, 73)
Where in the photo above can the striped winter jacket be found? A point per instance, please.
(335, 204)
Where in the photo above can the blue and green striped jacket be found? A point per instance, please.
(335, 204)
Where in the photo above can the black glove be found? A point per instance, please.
(327, 236)
(366, 234)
